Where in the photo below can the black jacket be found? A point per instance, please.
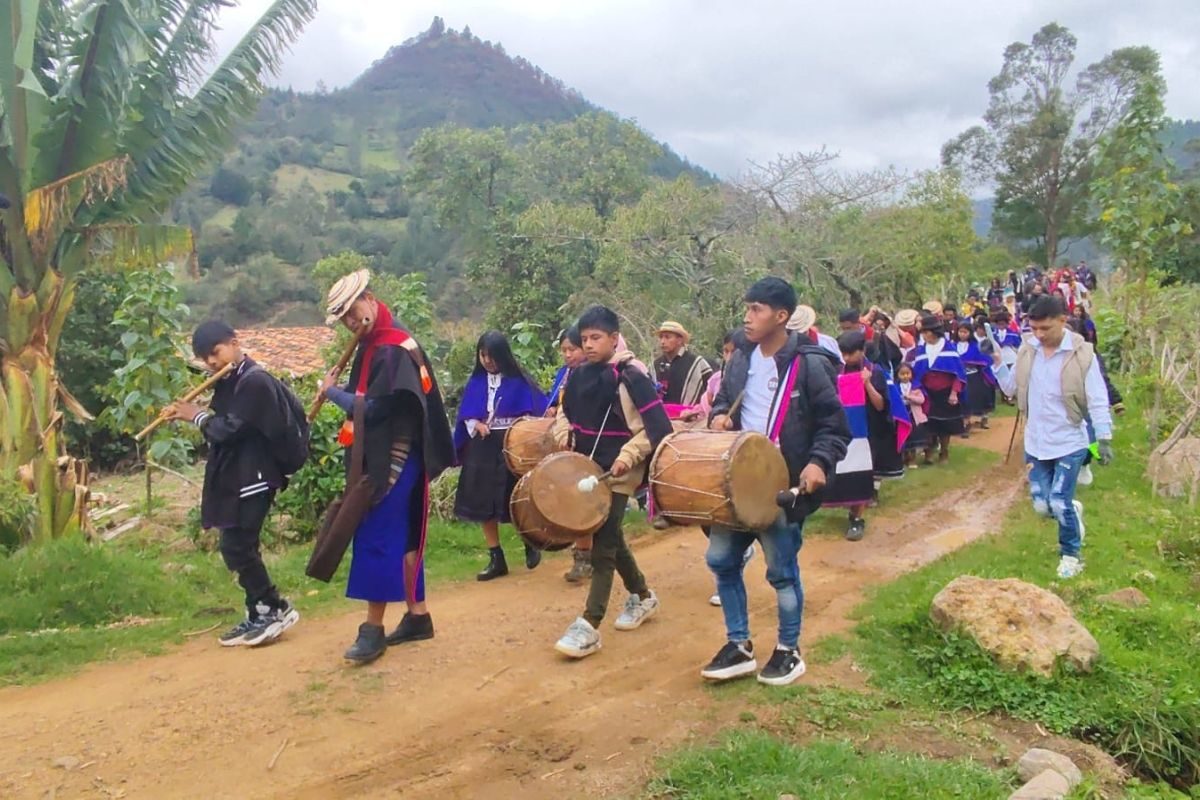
(815, 430)
(242, 420)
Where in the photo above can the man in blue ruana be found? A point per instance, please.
(1058, 386)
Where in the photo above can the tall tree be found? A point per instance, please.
(108, 109)
(1143, 214)
(1040, 134)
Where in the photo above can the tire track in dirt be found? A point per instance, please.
(485, 710)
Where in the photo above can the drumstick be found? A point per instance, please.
(737, 403)
(788, 497)
(588, 485)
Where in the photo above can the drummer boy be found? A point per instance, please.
(611, 413)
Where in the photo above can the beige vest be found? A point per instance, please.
(1074, 373)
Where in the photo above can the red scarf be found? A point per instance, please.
(383, 333)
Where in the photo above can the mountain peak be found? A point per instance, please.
(474, 82)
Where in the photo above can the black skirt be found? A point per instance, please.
(485, 485)
(918, 439)
(944, 419)
(888, 462)
(981, 395)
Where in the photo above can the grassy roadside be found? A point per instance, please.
(69, 603)
(932, 700)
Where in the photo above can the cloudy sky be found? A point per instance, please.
(727, 81)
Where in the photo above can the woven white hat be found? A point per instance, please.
(344, 292)
(802, 319)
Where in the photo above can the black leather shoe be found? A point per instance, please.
(369, 645)
(412, 628)
(497, 567)
(533, 557)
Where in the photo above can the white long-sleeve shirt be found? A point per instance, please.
(1049, 434)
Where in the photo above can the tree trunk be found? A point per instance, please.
(31, 421)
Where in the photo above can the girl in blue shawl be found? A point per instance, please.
(497, 394)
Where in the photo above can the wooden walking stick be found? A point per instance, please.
(1012, 437)
(187, 398)
(347, 354)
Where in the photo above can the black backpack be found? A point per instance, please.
(289, 448)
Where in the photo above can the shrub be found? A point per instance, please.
(16, 514)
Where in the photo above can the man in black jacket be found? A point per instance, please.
(241, 476)
(788, 391)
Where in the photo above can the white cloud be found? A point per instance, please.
(726, 82)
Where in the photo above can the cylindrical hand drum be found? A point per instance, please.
(527, 442)
(549, 510)
(718, 478)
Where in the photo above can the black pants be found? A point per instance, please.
(611, 553)
(240, 549)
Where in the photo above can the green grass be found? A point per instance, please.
(753, 764)
(1142, 702)
(70, 603)
(915, 489)
(291, 177)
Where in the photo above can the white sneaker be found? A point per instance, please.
(636, 612)
(1069, 567)
(1085, 475)
(715, 600)
(580, 640)
(1078, 506)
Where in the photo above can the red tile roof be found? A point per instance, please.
(297, 351)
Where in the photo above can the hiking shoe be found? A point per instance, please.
(731, 661)
(983, 423)
(497, 566)
(1078, 506)
(533, 557)
(715, 600)
(785, 667)
(1085, 475)
(248, 632)
(1069, 567)
(580, 640)
(370, 644)
(856, 530)
(412, 628)
(581, 570)
(636, 612)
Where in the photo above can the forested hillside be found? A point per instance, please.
(316, 173)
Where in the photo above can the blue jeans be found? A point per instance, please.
(1052, 489)
(781, 548)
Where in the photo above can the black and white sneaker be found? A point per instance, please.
(251, 632)
(285, 617)
(785, 667)
(732, 661)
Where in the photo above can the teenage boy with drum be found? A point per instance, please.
(610, 413)
(788, 391)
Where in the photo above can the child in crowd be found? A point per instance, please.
(914, 399)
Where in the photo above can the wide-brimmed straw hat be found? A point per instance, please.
(344, 292)
(802, 319)
(907, 318)
(670, 326)
(933, 307)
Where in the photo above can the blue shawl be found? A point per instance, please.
(517, 397)
(946, 361)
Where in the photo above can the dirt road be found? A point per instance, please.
(485, 710)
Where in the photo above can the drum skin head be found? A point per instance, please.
(554, 491)
(757, 474)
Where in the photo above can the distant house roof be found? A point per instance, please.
(297, 351)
